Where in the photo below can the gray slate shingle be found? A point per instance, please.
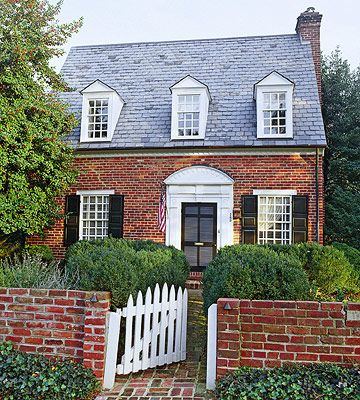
(143, 72)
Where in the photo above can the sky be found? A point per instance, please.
(123, 21)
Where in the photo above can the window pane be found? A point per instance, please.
(274, 108)
(98, 113)
(188, 110)
(95, 224)
(274, 219)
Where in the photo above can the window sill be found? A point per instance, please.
(188, 138)
(275, 137)
(95, 141)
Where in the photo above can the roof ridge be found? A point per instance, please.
(186, 40)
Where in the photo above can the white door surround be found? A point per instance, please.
(199, 184)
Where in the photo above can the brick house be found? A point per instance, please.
(231, 129)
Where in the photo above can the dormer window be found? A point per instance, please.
(98, 114)
(274, 113)
(273, 96)
(190, 104)
(101, 109)
(188, 115)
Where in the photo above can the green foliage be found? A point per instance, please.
(312, 382)
(254, 272)
(329, 272)
(353, 256)
(35, 163)
(26, 376)
(42, 250)
(30, 271)
(125, 266)
(8, 245)
(341, 112)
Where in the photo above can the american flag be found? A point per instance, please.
(162, 211)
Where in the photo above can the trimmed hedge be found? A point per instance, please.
(316, 381)
(125, 267)
(329, 271)
(28, 377)
(42, 250)
(254, 272)
(353, 256)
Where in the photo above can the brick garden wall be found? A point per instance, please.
(139, 180)
(56, 323)
(272, 333)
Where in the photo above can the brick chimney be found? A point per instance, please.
(308, 27)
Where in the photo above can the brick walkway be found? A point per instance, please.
(181, 381)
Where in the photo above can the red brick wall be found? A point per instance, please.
(139, 179)
(260, 333)
(56, 323)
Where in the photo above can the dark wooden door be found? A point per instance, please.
(198, 233)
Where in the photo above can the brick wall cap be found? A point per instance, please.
(233, 302)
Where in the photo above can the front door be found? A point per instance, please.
(198, 235)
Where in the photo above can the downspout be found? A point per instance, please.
(317, 195)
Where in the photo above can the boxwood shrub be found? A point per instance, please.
(328, 269)
(42, 250)
(125, 266)
(254, 272)
(353, 256)
(316, 381)
(26, 376)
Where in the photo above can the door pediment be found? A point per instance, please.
(199, 175)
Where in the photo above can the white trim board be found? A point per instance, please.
(94, 192)
(274, 192)
(104, 153)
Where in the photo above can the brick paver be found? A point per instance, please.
(181, 381)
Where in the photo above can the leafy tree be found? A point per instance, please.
(341, 112)
(35, 162)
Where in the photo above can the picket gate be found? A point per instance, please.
(155, 332)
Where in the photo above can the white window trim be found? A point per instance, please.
(290, 218)
(274, 192)
(203, 112)
(261, 90)
(99, 90)
(82, 193)
(280, 193)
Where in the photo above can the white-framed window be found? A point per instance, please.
(98, 118)
(274, 107)
(274, 113)
(190, 105)
(274, 223)
(188, 115)
(274, 219)
(94, 214)
(101, 109)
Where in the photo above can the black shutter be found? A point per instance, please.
(249, 219)
(299, 219)
(116, 215)
(72, 213)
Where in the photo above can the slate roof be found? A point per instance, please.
(142, 74)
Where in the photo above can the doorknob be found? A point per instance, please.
(198, 244)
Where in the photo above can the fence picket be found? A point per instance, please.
(155, 328)
(129, 349)
(163, 323)
(155, 332)
(179, 304)
(148, 310)
(172, 316)
(184, 325)
(139, 310)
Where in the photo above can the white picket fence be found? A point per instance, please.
(155, 332)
